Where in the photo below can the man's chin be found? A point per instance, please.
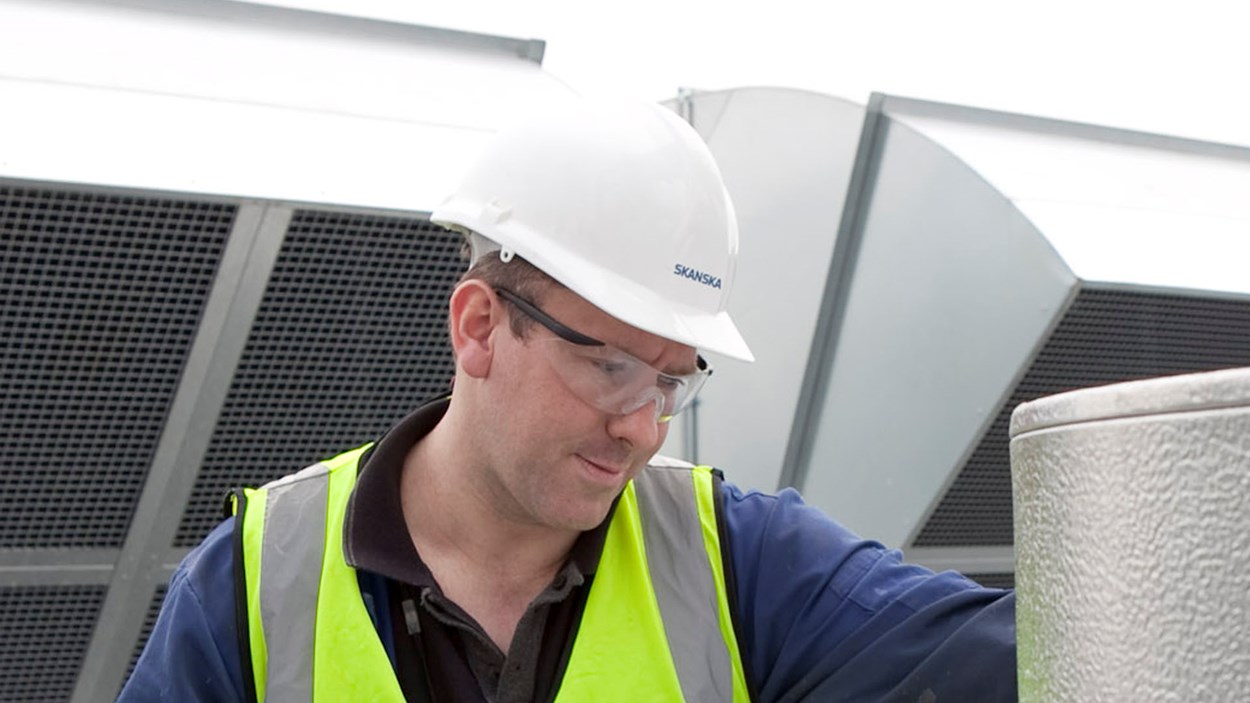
(588, 518)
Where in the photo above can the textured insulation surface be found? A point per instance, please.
(1133, 547)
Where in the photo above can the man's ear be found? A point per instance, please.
(475, 313)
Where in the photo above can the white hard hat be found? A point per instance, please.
(622, 203)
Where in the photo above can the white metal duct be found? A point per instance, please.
(786, 158)
(242, 99)
(1150, 231)
(982, 259)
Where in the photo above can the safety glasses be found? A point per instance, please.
(605, 377)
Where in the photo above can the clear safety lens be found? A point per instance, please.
(617, 382)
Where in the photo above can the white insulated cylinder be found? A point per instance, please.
(1132, 538)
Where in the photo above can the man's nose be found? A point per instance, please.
(640, 426)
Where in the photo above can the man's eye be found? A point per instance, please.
(608, 367)
(668, 383)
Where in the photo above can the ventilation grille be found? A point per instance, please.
(44, 631)
(351, 335)
(149, 622)
(1105, 337)
(995, 580)
(101, 295)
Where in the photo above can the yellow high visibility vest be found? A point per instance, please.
(656, 625)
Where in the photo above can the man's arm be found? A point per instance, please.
(193, 654)
(829, 616)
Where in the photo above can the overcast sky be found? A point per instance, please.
(1172, 67)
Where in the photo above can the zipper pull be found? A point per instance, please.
(410, 617)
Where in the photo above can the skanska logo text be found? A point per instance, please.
(697, 276)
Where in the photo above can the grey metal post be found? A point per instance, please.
(229, 311)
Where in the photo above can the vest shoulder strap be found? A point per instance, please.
(304, 611)
(658, 604)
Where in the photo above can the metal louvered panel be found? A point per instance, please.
(101, 297)
(43, 636)
(351, 334)
(1105, 336)
(995, 580)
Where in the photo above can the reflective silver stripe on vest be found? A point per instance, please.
(683, 582)
(295, 517)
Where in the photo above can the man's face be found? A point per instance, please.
(556, 461)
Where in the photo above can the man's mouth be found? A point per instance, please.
(606, 470)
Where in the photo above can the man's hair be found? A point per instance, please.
(517, 275)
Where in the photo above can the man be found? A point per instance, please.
(517, 541)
